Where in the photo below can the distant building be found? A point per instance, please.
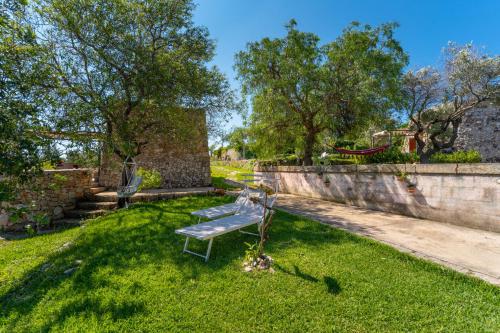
(387, 137)
(231, 155)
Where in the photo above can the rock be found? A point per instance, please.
(70, 271)
(248, 269)
(4, 219)
(45, 267)
(58, 213)
(65, 246)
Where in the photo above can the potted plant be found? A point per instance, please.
(411, 188)
(220, 191)
(402, 176)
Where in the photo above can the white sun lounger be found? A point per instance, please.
(249, 213)
(227, 209)
(223, 210)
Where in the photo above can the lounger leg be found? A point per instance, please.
(206, 256)
(209, 249)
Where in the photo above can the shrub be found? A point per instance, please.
(150, 178)
(240, 164)
(291, 159)
(337, 160)
(470, 156)
(392, 155)
(48, 166)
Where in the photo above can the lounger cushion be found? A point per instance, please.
(214, 212)
(218, 227)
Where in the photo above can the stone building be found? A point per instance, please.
(182, 162)
(480, 130)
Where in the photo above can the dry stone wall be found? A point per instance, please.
(182, 162)
(54, 192)
(461, 194)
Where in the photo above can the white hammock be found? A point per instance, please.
(130, 178)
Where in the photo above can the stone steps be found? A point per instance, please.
(84, 213)
(70, 221)
(153, 195)
(90, 205)
(101, 201)
(98, 189)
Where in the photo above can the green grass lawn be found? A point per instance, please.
(221, 172)
(132, 277)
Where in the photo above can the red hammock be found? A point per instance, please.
(370, 151)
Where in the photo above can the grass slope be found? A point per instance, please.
(133, 277)
(221, 172)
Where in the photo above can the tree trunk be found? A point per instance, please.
(125, 179)
(310, 139)
(421, 147)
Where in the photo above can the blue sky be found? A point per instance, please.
(425, 26)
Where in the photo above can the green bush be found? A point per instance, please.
(392, 155)
(337, 160)
(470, 156)
(48, 165)
(291, 159)
(150, 179)
(240, 164)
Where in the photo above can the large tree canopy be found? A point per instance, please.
(128, 68)
(435, 101)
(300, 86)
(21, 99)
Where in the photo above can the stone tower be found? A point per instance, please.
(182, 162)
(480, 130)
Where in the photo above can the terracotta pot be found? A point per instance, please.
(220, 191)
(412, 189)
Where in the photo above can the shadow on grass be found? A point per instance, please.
(331, 283)
(219, 182)
(142, 236)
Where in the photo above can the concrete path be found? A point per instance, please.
(469, 251)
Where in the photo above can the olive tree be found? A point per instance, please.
(436, 101)
(302, 87)
(129, 68)
(21, 100)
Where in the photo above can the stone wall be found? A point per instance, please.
(461, 194)
(182, 162)
(480, 130)
(55, 191)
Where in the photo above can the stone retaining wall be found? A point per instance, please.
(57, 190)
(461, 194)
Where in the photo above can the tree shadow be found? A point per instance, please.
(297, 272)
(144, 235)
(332, 285)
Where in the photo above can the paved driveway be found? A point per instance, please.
(469, 251)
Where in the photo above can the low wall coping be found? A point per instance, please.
(492, 169)
(68, 170)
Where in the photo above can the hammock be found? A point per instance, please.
(364, 152)
(130, 179)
